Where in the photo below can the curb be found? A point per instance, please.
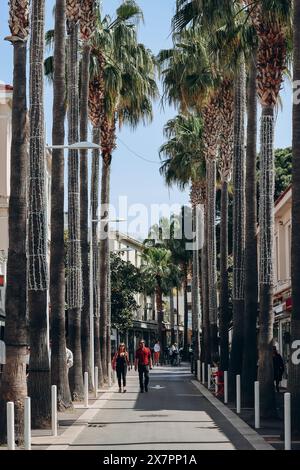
(254, 439)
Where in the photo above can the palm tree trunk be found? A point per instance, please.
(211, 256)
(224, 304)
(85, 312)
(196, 303)
(74, 250)
(59, 372)
(236, 355)
(13, 382)
(294, 369)
(159, 307)
(95, 255)
(186, 311)
(266, 237)
(204, 280)
(249, 369)
(172, 315)
(104, 260)
(39, 366)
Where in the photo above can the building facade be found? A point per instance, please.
(282, 276)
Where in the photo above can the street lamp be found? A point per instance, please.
(76, 146)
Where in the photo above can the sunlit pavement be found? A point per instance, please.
(173, 415)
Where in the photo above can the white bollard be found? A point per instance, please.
(287, 422)
(256, 405)
(238, 394)
(203, 373)
(86, 390)
(10, 410)
(54, 409)
(198, 370)
(225, 387)
(27, 424)
(109, 375)
(208, 376)
(96, 381)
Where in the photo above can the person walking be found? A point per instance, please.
(143, 362)
(156, 353)
(120, 363)
(278, 367)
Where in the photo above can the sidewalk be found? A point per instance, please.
(176, 413)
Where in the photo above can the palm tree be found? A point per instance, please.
(59, 373)
(129, 88)
(74, 279)
(189, 81)
(236, 354)
(225, 170)
(249, 367)
(13, 382)
(157, 268)
(87, 27)
(294, 375)
(271, 27)
(39, 367)
(184, 166)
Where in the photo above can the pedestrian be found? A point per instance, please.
(120, 363)
(278, 367)
(156, 353)
(69, 356)
(142, 363)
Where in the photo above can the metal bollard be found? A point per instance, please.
(208, 376)
(287, 422)
(27, 424)
(225, 387)
(10, 410)
(198, 370)
(96, 381)
(256, 405)
(86, 390)
(203, 373)
(216, 385)
(238, 394)
(54, 409)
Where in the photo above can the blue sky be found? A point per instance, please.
(131, 175)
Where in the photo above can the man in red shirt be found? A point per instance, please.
(143, 362)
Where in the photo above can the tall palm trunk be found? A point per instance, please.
(186, 310)
(74, 249)
(13, 382)
(59, 372)
(204, 283)
(39, 366)
(85, 312)
(159, 308)
(95, 254)
(104, 260)
(266, 237)
(224, 292)
(211, 255)
(236, 355)
(225, 170)
(294, 369)
(172, 317)
(249, 369)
